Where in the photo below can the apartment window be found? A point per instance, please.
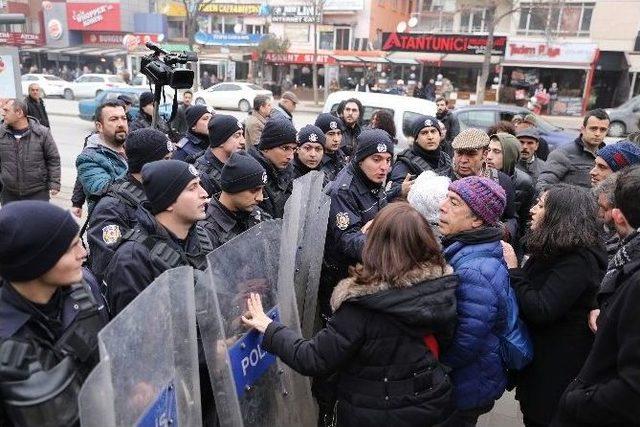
(569, 19)
(475, 20)
(437, 15)
(256, 29)
(325, 40)
(343, 38)
(176, 29)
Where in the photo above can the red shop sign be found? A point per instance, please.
(441, 43)
(117, 38)
(294, 58)
(20, 39)
(93, 16)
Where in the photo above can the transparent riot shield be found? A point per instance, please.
(251, 387)
(148, 370)
(303, 236)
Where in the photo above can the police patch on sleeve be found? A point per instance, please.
(342, 220)
(382, 148)
(111, 234)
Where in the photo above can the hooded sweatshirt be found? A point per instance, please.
(510, 151)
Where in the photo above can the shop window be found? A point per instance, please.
(343, 38)
(567, 19)
(176, 29)
(476, 119)
(325, 40)
(474, 20)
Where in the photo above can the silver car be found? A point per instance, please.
(625, 118)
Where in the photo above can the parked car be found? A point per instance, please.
(404, 109)
(485, 116)
(231, 95)
(625, 118)
(90, 85)
(50, 85)
(88, 107)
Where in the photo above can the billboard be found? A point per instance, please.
(441, 43)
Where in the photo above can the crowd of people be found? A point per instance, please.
(468, 264)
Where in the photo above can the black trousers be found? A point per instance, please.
(7, 196)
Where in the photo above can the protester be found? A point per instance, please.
(333, 160)
(468, 221)
(254, 123)
(556, 288)
(350, 111)
(383, 119)
(29, 158)
(286, 106)
(604, 194)
(427, 193)
(571, 163)
(45, 296)
(612, 158)
(529, 144)
(225, 138)
(605, 391)
(196, 139)
(403, 291)
(35, 105)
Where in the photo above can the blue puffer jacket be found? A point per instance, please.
(98, 167)
(478, 374)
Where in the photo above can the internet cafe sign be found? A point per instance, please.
(294, 14)
(542, 52)
(93, 16)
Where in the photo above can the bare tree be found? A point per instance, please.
(317, 10)
(192, 12)
(271, 44)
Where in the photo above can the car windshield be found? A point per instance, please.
(546, 126)
(52, 78)
(115, 79)
(631, 102)
(254, 87)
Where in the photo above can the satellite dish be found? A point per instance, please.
(402, 27)
(412, 22)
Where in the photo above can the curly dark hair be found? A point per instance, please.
(502, 126)
(569, 222)
(384, 121)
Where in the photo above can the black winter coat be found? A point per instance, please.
(278, 187)
(37, 111)
(606, 391)
(374, 341)
(555, 297)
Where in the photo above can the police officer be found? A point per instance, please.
(425, 154)
(334, 159)
(357, 195)
(236, 209)
(166, 236)
(115, 213)
(308, 155)
(196, 139)
(274, 153)
(51, 313)
(226, 136)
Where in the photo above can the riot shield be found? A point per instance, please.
(251, 387)
(148, 370)
(303, 236)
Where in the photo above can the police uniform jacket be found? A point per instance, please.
(146, 252)
(416, 160)
(299, 168)
(189, 148)
(354, 201)
(113, 216)
(223, 225)
(332, 164)
(34, 334)
(143, 120)
(210, 168)
(278, 187)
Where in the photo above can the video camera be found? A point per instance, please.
(160, 67)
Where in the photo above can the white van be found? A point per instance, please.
(403, 108)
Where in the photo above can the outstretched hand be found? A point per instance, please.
(256, 317)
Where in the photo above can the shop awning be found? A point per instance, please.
(563, 65)
(80, 50)
(634, 62)
(403, 61)
(35, 49)
(375, 59)
(174, 9)
(473, 59)
(346, 58)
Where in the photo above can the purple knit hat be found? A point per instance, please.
(485, 197)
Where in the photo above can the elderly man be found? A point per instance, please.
(35, 105)
(287, 105)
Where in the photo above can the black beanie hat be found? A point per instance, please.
(242, 172)
(33, 237)
(193, 113)
(145, 145)
(312, 134)
(327, 122)
(373, 141)
(423, 122)
(146, 98)
(277, 131)
(164, 180)
(221, 127)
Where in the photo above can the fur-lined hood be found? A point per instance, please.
(409, 299)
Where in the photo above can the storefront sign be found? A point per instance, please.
(343, 5)
(536, 52)
(441, 43)
(294, 14)
(119, 38)
(295, 58)
(21, 39)
(230, 8)
(228, 39)
(93, 16)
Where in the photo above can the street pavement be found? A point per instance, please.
(69, 132)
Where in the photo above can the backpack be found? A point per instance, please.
(516, 349)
